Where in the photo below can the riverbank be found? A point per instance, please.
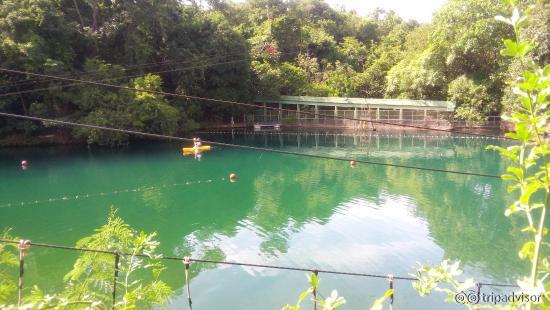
(43, 139)
(64, 137)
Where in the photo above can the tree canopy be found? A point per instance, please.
(237, 51)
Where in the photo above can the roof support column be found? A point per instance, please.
(377, 113)
(425, 115)
(400, 114)
(265, 112)
(297, 111)
(280, 112)
(316, 111)
(355, 123)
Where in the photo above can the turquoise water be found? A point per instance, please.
(283, 210)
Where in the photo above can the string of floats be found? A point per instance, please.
(221, 262)
(101, 194)
(157, 92)
(255, 148)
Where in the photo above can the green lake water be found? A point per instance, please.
(283, 210)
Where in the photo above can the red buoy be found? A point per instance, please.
(233, 177)
(24, 163)
(352, 163)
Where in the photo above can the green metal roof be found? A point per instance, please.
(363, 102)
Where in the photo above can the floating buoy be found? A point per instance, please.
(352, 163)
(232, 177)
(24, 163)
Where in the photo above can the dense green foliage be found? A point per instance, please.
(528, 172)
(238, 51)
(89, 285)
(9, 261)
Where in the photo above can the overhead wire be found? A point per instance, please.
(121, 77)
(126, 68)
(158, 92)
(176, 138)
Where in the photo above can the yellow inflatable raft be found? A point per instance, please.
(191, 150)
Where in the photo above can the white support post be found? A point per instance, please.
(377, 113)
(280, 112)
(316, 111)
(265, 112)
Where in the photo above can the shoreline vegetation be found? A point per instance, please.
(240, 51)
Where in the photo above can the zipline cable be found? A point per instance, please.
(127, 68)
(157, 92)
(131, 67)
(170, 138)
(118, 78)
(368, 275)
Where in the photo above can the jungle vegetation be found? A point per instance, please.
(237, 51)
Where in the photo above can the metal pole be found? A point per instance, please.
(24, 246)
(115, 278)
(390, 279)
(187, 262)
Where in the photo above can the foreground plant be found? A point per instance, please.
(442, 278)
(329, 303)
(529, 169)
(90, 283)
(8, 269)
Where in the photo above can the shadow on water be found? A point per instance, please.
(283, 209)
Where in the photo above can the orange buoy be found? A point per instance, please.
(233, 177)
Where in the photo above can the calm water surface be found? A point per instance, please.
(283, 210)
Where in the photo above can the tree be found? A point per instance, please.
(472, 100)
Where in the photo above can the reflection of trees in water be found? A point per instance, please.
(464, 214)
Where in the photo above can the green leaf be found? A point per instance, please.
(511, 210)
(378, 303)
(508, 177)
(513, 49)
(517, 172)
(503, 19)
(528, 190)
(528, 250)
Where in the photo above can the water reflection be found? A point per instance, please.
(376, 213)
(283, 210)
